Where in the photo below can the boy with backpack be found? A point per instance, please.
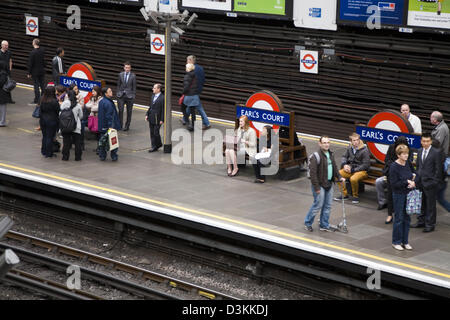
(322, 171)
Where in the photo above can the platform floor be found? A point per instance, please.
(276, 208)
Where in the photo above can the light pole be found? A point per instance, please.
(164, 13)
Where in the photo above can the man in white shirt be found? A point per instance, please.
(414, 120)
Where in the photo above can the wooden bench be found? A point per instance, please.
(290, 155)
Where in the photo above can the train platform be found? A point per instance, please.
(273, 211)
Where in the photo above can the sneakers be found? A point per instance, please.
(355, 200)
(407, 247)
(339, 198)
(330, 228)
(308, 228)
(398, 247)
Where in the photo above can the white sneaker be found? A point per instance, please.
(407, 247)
(398, 247)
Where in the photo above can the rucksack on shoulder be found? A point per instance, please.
(67, 122)
(308, 171)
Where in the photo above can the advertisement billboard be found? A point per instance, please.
(432, 14)
(224, 5)
(272, 7)
(319, 14)
(360, 11)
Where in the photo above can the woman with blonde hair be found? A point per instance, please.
(245, 138)
(401, 177)
(191, 95)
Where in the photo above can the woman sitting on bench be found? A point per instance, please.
(244, 143)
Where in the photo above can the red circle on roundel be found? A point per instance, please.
(263, 96)
(31, 25)
(160, 41)
(385, 116)
(87, 70)
(80, 67)
(312, 58)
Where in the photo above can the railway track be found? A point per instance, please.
(132, 287)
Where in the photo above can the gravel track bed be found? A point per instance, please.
(182, 269)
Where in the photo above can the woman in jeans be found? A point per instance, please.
(191, 97)
(401, 177)
(49, 120)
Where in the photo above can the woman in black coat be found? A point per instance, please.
(49, 120)
(4, 96)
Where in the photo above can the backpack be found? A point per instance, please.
(315, 154)
(67, 122)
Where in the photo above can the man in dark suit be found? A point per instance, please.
(36, 69)
(429, 176)
(58, 65)
(155, 117)
(126, 92)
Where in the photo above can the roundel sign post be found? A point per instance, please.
(263, 108)
(83, 75)
(32, 26)
(157, 44)
(383, 129)
(309, 61)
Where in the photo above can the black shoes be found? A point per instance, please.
(428, 229)
(417, 225)
(382, 206)
(126, 129)
(153, 149)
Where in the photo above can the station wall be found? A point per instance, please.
(361, 71)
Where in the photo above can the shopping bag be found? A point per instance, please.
(93, 123)
(113, 139)
(414, 202)
(181, 100)
(36, 112)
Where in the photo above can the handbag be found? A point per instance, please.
(37, 112)
(181, 100)
(9, 85)
(414, 202)
(93, 123)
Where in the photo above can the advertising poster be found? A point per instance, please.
(275, 7)
(224, 5)
(433, 14)
(319, 14)
(391, 11)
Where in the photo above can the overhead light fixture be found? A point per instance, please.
(192, 19)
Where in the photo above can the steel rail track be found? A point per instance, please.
(47, 287)
(137, 272)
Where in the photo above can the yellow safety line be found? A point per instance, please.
(25, 130)
(238, 222)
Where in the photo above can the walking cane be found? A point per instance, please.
(342, 226)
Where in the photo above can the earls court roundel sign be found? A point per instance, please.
(263, 108)
(383, 129)
(83, 75)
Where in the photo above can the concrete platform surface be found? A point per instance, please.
(276, 208)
